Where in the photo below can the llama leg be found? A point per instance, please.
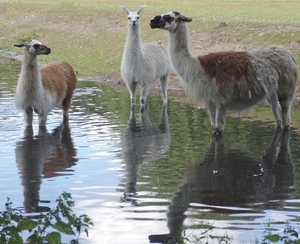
(143, 95)
(220, 120)
(164, 87)
(28, 116)
(132, 90)
(211, 110)
(163, 123)
(66, 103)
(42, 119)
(273, 100)
(286, 106)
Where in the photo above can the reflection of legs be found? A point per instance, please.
(164, 87)
(28, 116)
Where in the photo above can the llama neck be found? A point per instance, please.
(30, 70)
(179, 49)
(133, 43)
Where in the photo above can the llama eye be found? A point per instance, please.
(138, 17)
(36, 45)
(129, 18)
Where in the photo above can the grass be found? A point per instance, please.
(90, 34)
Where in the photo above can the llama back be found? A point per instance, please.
(52, 75)
(157, 52)
(275, 65)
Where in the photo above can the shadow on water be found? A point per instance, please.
(45, 154)
(142, 142)
(233, 178)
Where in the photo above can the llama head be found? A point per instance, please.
(133, 17)
(168, 21)
(34, 47)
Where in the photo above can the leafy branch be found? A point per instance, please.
(62, 219)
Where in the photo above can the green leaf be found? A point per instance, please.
(15, 241)
(27, 224)
(273, 238)
(63, 227)
(53, 237)
(33, 238)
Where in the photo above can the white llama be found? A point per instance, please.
(231, 80)
(142, 63)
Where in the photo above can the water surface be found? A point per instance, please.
(154, 176)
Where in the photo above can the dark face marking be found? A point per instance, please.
(160, 21)
(157, 22)
(227, 67)
(42, 49)
(168, 18)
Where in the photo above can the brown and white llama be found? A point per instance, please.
(42, 89)
(232, 81)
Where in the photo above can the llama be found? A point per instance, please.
(142, 63)
(41, 89)
(230, 80)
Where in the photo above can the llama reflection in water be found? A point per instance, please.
(44, 154)
(233, 178)
(142, 142)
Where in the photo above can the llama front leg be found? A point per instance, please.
(28, 116)
(132, 89)
(220, 120)
(42, 119)
(211, 110)
(164, 87)
(143, 95)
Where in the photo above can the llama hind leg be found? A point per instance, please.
(273, 100)
(28, 116)
(164, 87)
(66, 104)
(286, 106)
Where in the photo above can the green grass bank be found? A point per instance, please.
(90, 34)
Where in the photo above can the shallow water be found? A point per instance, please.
(156, 175)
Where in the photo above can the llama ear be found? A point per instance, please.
(24, 44)
(125, 10)
(184, 19)
(141, 9)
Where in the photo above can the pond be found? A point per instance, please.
(152, 176)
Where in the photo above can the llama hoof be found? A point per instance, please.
(217, 133)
